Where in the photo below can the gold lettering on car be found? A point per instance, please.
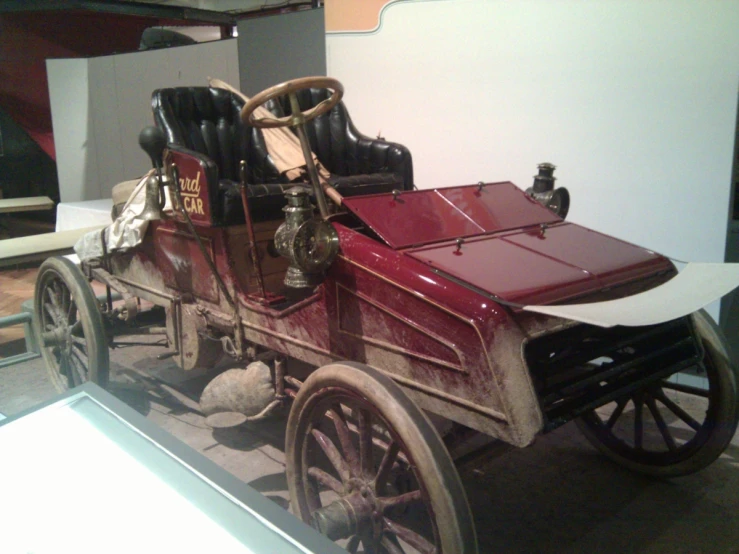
(190, 191)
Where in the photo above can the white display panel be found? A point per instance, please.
(77, 215)
(77, 479)
(693, 288)
(71, 117)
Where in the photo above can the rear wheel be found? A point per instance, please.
(367, 468)
(69, 326)
(673, 427)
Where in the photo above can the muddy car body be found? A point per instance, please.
(417, 312)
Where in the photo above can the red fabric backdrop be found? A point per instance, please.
(27, 39)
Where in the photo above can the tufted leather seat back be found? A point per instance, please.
(342, 148)
(203, 120)
(207, 120)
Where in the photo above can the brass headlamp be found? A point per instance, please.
(310, 244)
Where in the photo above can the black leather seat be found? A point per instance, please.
(207, 121)
(358, 164)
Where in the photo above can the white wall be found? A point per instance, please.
(634, 101)
(72, 124)
(99, 106)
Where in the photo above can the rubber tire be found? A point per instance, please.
(92, 321)
(414, 429)
(727, 411)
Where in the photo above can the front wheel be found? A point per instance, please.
(69, 326)
(366, 467)
(672, 428)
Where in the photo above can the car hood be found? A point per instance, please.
(535, 266)
(495, 238)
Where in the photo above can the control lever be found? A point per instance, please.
(153, 142)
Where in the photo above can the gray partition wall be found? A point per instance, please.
(281, 47)
(99, 106)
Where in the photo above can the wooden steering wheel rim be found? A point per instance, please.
(291, 87)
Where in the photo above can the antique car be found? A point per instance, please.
(390, 322)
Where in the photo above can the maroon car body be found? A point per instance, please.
(405, 295)
(385, 309)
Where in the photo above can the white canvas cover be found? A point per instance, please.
(696, 286)
(125, 232)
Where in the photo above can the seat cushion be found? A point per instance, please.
(265, 201)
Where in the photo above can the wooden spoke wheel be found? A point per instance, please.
(367, 468)
(673, 427)
(69, 326)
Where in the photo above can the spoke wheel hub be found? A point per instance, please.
(60, 336)
(346, 516)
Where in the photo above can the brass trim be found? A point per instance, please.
(491, 412)
(414, 293)
(288, 338)
(494, 375)
(446, 396)
(388, 346)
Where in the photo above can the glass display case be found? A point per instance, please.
(86, 473)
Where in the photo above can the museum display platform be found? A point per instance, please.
(96, 476)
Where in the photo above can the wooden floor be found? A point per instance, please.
(16, 286)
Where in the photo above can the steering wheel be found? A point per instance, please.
(290, 88)
(298, 120)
